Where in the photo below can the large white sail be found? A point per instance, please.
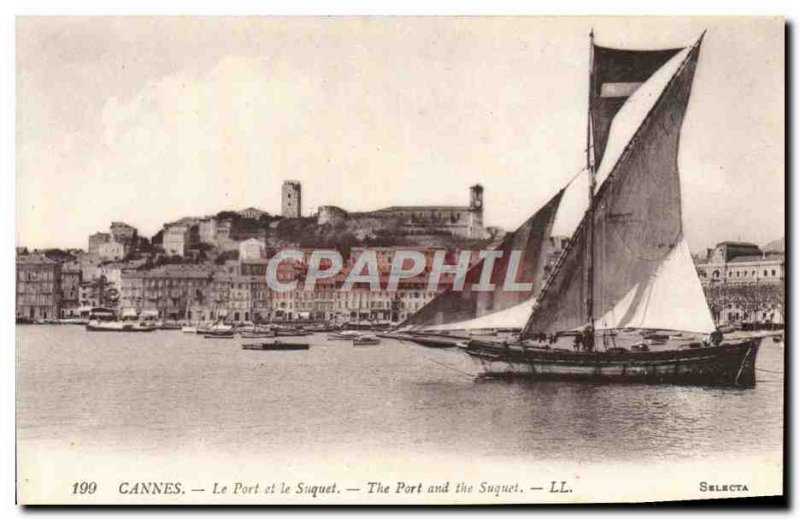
(511, 318)
(671, 299)
(628, 114)
(635, 224)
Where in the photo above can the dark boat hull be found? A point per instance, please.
(218, 335)
(434, 341)
(426, 340)
(730, 364)
(276, 346)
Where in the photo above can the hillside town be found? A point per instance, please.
(209, 268)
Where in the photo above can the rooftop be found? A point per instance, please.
(757, 258)
(736, 243)
(421, 208)
(35, 259)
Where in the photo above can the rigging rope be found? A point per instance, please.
(451, 368)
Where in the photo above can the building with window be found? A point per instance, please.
(744, 284)
(38, 287)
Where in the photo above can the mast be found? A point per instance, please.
(590, 167)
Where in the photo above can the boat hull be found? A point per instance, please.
(276, 346)
(118, 327)
(729, 364)
(435, 341)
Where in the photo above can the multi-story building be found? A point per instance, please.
(123, 233)
(70, 289)
(172, 291)
(96, 240)
(328, 301)
(113, 250)
(224, 239)
(207, 230)
(179, 237)
(38, 287)
(252, 249)
(744, 284)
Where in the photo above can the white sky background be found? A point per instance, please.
(146, 120)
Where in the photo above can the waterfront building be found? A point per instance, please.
(169, 291)
(38, 291)
(70, 289)
(744, 284)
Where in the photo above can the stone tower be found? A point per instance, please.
(476, 229)
(290, 199)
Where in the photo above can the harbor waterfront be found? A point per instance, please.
(164, 394)
(537, 264)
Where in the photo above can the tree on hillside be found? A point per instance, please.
(59, 255)
(228, 215)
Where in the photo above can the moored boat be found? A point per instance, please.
(727, 364)
(73, 321)
(218, 334)
(276, 345)
(433, 340)
(119, 326)
(344, 335)
(366, 339)
(217, 328)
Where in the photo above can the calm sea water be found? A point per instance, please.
(152, 392)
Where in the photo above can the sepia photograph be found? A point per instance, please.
(399, 260)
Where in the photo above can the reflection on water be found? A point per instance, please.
(162, 390)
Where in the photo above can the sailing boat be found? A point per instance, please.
(622, 302)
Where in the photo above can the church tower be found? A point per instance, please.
(476, 212)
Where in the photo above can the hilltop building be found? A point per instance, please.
(291, 202)
(460, 221)
(114, 245)
(252, 213)
(179, 237)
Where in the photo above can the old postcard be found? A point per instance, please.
(399, 260)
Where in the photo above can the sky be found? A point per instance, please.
(148, 119)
